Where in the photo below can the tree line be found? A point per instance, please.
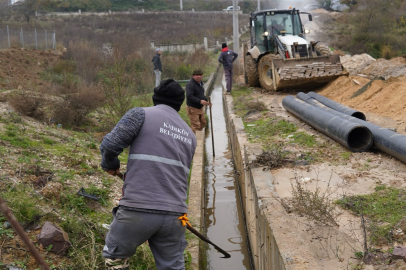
(125, 5)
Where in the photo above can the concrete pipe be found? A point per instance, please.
(337, 106)
(351, 135)
(388, 141)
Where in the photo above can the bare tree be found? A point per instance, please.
(352, 4)
(3, 3)
(326, 4)
(4, 10)
(26, 8)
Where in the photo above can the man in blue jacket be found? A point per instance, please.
(227, 57)
(154, 192)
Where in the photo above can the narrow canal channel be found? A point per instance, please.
(224, 223)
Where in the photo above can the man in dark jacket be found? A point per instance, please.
(157, 66)
(195, 100)
(154, 195)
(227, 57)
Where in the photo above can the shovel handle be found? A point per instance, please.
(211, 127)
(205, 239)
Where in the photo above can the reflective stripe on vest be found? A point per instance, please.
(159, 159)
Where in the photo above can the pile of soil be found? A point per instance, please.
(362, 90)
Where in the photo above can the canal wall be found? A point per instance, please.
(273, 242)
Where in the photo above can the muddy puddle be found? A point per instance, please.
(224, 223)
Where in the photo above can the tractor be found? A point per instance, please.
(280, 56)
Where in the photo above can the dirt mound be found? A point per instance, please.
(21, 68)
(366, 65)
(381, 97)
(357, 63)
(320, 10)
(360, 91)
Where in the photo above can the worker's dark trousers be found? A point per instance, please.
(228, 74)
(165, 235)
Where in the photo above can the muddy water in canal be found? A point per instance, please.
(224, 223)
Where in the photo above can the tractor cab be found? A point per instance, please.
(266, 24)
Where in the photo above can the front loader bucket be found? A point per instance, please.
(306, 72)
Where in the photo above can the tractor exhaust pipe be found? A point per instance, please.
(351, 135)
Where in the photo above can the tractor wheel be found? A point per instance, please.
(265, 72)
(322, 50)
(252, 71)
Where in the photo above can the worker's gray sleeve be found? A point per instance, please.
(121, 137)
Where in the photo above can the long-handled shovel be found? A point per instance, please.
(211, 126)
(185, 222)
(205, 239)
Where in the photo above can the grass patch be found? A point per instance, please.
(386, 204)
(346, 155)
(3, 231)
(64, 175)
(25, 208)
(304, 139)
(267, 128)
(385, 207)
(241, 98)
(16, 137)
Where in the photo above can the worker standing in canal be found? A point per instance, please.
(195, 101)
(227, 57)
(155, 186)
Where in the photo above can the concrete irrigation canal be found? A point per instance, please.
(224, 222)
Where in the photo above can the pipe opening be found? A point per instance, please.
(360, 139)
(359, 115)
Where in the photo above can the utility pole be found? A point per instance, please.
(236, 36)
(259, 5)
(181, 6)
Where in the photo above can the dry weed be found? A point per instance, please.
(27, 104)
(315, 205)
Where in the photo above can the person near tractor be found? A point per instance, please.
(157, 66)
(276, 27)
(227, 57)
(195, 100)
(161, 147)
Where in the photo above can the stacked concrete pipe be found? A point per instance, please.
(386, 140)
(351, 135)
